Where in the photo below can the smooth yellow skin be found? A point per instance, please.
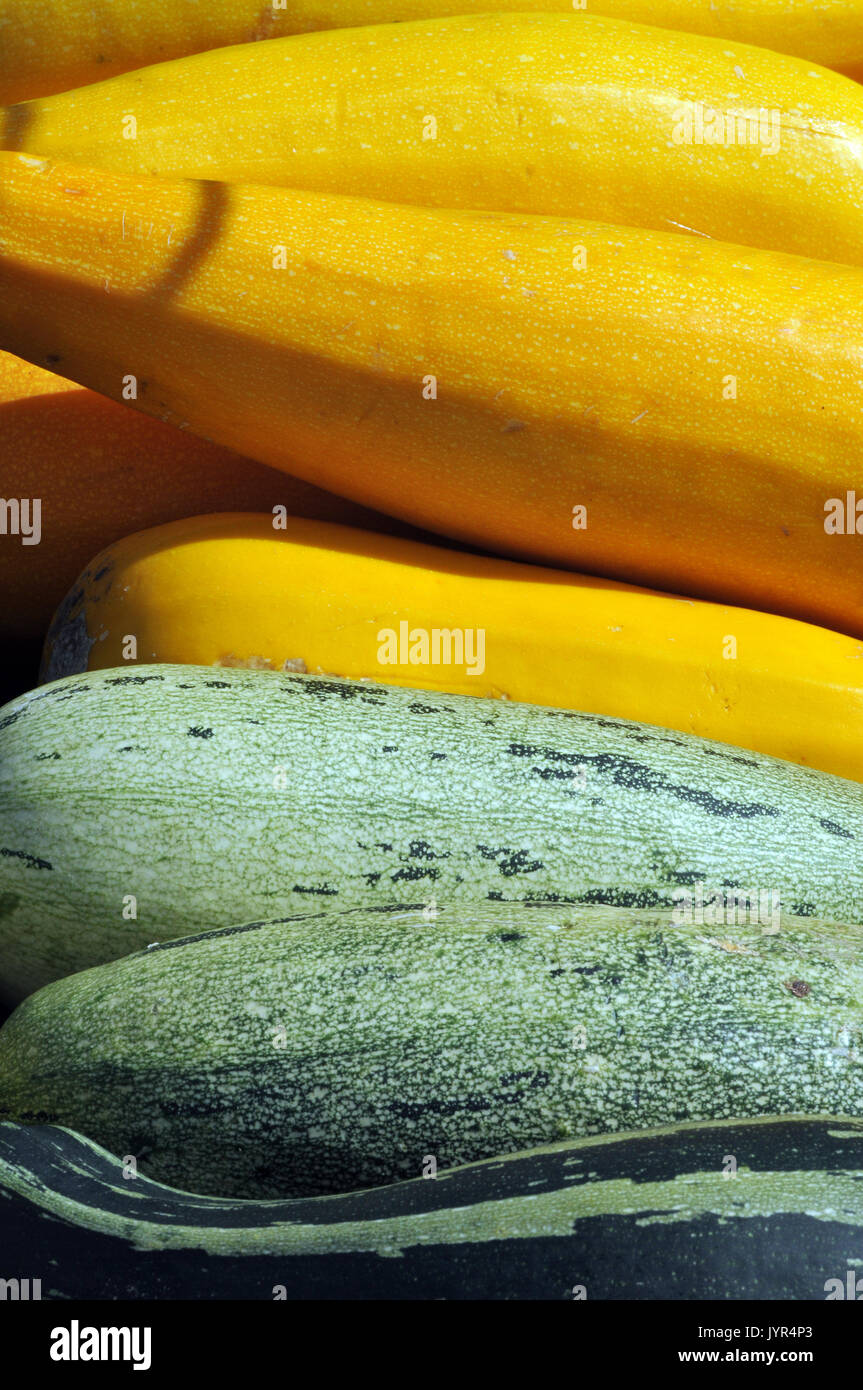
(51, 45)
(552, 114)
(100, 470)
(457, 371)
(232, 590)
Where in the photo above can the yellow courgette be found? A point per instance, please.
(656, 408)
(552, 114)
(79, 471)
(313, 596)
(57, 44)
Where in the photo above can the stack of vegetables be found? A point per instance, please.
(436, 830)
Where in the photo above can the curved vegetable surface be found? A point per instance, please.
(622, 402)
(100, 471)
(653, 1215)
(299, 1057)
(137, 806)
(232, 590)
(569, 115)
(57, 44)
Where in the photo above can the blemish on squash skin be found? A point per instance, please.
(731, 946)
(16, 126)
(294, 665)
(798, 988)
(244, 663)
(835, 829)
(30, 860)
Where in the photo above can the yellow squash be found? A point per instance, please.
(52, 45)
(98, 471)
(554, 114)
(230, 590)
(656, 408)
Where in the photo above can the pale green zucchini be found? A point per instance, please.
(141, 806)
(302, 1057)
(757, 1209)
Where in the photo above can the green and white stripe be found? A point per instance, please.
(769, 1208)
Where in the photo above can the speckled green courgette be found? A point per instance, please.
(137, 807)
(759, 1209)
(295, 1058)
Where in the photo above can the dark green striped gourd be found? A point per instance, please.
(302, 1057)
(759, 1209)
(137, 807)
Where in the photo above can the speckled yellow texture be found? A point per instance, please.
(51, 45)
(553, 114)
(231, 589)
(311, 331)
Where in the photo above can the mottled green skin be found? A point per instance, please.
(217, 797)
(299, 1057)
(648, 1216)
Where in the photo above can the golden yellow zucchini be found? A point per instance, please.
(89, 471)
(52, 45)
(651, 407)
(233, 591)
(552, 114)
